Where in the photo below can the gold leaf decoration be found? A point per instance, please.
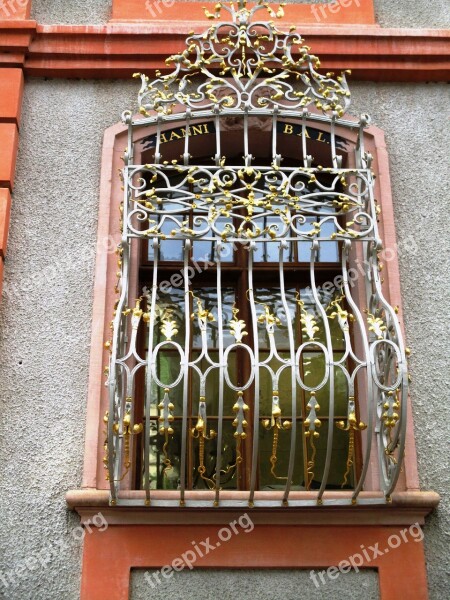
(237, 326)
(168, 326)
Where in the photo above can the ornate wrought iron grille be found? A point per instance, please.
(245, 72)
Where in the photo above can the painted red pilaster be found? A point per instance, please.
(5, 210)
(15, 37)
(11, 92)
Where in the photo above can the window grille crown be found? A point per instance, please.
(238, 59)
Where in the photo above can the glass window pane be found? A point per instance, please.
(339, 455)
(167, 370)
(325, 297)
(169, 249)
(206, 250)
(268, 480)
(271, 297)
(270, 251)
(160, 477)
(170, 306)
(328, 251)
(212, 385)
(208, 297)
(284, 388)
(228, 479)
(304, 246)
(313, 373)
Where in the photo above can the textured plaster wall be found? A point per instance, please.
(413, 118)
(250, 585)
(45, 324)
(416, 13)
(78, 12)
(390, 13)
(46, 311)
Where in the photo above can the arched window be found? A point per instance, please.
(253, 353)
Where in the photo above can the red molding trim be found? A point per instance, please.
(5, 211)
(406, 508)
(11, 92)
(9, 142)
(15, 10)
(15, 39)
(117, 51)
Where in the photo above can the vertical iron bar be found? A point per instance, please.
(334, 160)
(221, 376)
(247, 156)
(275, 157)
(186, 138)
(148, 395)
(158, 139)
(306, 158)
(217, 125)
(283, 246)
(369, 388)
(255, 367)
(330, 369)
(185, 367)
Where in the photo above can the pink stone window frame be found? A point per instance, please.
(115, 140)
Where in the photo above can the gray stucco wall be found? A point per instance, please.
(264, 584)
(389, 13)
(46, 311)
(412, 117)
(419, 13)
(45, 324)
(81, 12)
